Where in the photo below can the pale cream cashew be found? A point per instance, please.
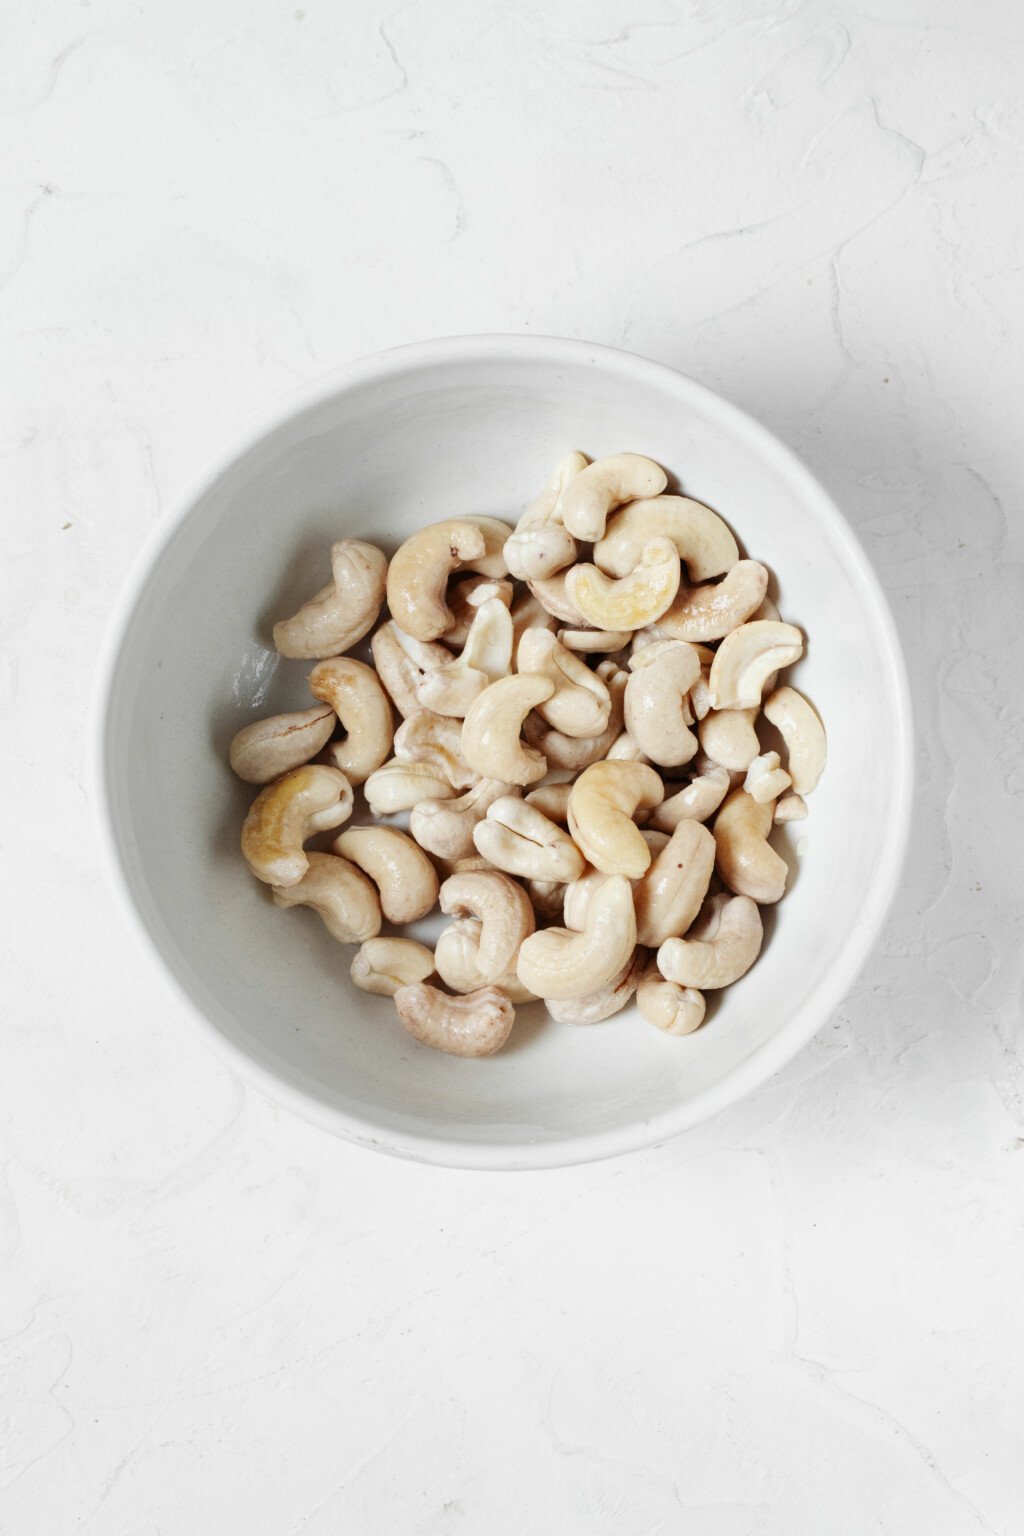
(310, 799)
(628, 602)
(419, 571)
(528, 612)
(728, 737)
(601, 806)
(477, 1024)
(342, 612)
(803, 734)
(625, 750)
(456, 961)
(553, 598)
(559, 962)
(466, 596)
(670, 894)
(539, 544)
(504, 911)
(699, 800)
(552, 800)
(673, 1009)
(591, 495)
(767, 610)
(428, 738)
(490, 731)
(746, 862)
(657, 703)
(519, 839)
(397, 786)
(588, 641)
(605, 1001)
(702, 540)
(267, 748)
(354, 692)
(765, 780)
(404, 876)
(572, 754)
(339, 894)
(579, 893)
(548, 897)
(791, 808)
(445, 827)
(486, 656)
(384, 965)
(700, 693)
(747, 658)
(402, 662)
(580, 704)
(711, 611)
(728, 945)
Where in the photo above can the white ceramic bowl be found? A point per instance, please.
(474, 424)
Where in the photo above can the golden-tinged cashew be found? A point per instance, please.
(445, 827)
(339, 894)
(699, 800)
(267, 748)
(765, 780)
(728, 737)
(709, 612)
(670, 894)
(803, 734)
(552, 800)
(601, 806)
(559, 962)
(724, 948)
(627, 602)
(354, 692)
(402, 662)
(404, 876)
(747, 658)
(428, 738)
(519, 839)
(587, 641)
(419, 571)
(550, 592)
(384, 965)
(744, 859)
(456, 961)
(570, 753)
(397, 786)
(581, 704)
(486, 656)
(466, 596)
(657, 702)
(490, 732)
(504, 911)
(791, 808)
(701, 539)
(311, 799)
(477, 1024)
(540, 545)
(342, 612)
(605, 1001)
(673, 1009)
(591, 495)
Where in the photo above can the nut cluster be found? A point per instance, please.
(579, 696)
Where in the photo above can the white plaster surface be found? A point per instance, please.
(802, 1318)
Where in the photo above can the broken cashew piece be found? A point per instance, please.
(699, 800)
(606, 1001)
(728, 737)
(396, 786)
(445, 827)
(404, 876)
(804, 735)
(504, 912)
(673, 1009)
(402, 662)
(486, 656)
(354, 692)
(591, 495)
(267, 748)
(384, 965)
(428, 738)
(710, 612)
(765, 780)
(342, 612)
(490, 732)
(657, 702)
(632, 601)
(702, 540)
(540, 545)
(519, 839)
(748, 865)
(747, 658)
(729, 942)
(601, 807)
(310, 799)
(791, 808)
(671, 893)
(580, 704)
(339, 894)
(476, 1024)
(418, 575)
(559, 962)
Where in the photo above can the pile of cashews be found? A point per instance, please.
(564, 742)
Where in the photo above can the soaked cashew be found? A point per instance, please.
(403, 662)
(486, 656)
(559, 962)
(601, 806)
(342, 612)
(404, 876)
(490, 732)
(580, 704)
(396, 786)
(540, 545)
(519, 839)
(701, 539)
(803, 734)
(657, 702)
(712, 611)
(339, 894)
(699, 800)
(418, 575)
(747, 658)
(384, 965)
(746, 862)
(632, 601)
(445, 827)
(266, 748)
(673, 1009)
(720, 951)
(728, 737)
(477, 1024)
(765, 780)
(503, 910)
(670, 894)
(605, 1001)
(428, 738)
(354, 692)
(466, 596)
(306, 800)
(591, 495)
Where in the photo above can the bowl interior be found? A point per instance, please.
(434, 434)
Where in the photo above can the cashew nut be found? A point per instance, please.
(490, 731)
(466, 596)
(601, 806)
(581, 704)
(445, 827)
(384, 965)
(579, 893)
(747, 658)
(590, 640)
(728, 737)
(528, 612)
(605, 1001)
(670, 894)
(419, 571)
(716, 609)
(428, 738)
(402, 662)
(397, 786)
(767, 610)
(744, 859)
(591, 495)
(803, 734)
(657, 704)
(266, 748)
(699, 800)
(339, 894)
(547, 896)
(791, 808)
(673, 1009)
(486, 656)
(402, 873)
(504, 911)
(456, 962)
(520, 839)
(727, 944)
(477, 1024)
(559, 962)
(569, 753)
(354, 692)
(552, 800)
(540, 545)
(554, 599)
(625, 750)
(701, 539)
(342, 612)
(765, 780)
(310, 799)
(628, 602)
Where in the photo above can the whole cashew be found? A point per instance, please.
(746, 862)
(728, 737)
(657, 702)
(558, 962)
(581, 704)
(628, 602)
(404, 876)
(605, 1001)
(266, 748)
(591, 495)
(339, 894)
(419, 571)
(765, 780)
(699, 800)
(540, 545)
(354, 692)
(402, 662)
(477, 1024)
(701, 539)
(670, 894)
(428, 738)
(504, 911)
(342, 612)
(729, 943)
(397, 786)
(306, 800)
(791, 808)
(803, 734)
(553, 597)
(673, 1009)
(486, 656)
(588, 641)
(445, 827)
(466, 596)
(767, 610)
(580, 893)
(552, 800)
(456, 962)
(747, 658)
(570, 753)
(601, 806)
(384, 965)
(709, 612)
(520, 839)
(490, 732)
(625, 750)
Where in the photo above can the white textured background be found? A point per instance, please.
(805, 1317)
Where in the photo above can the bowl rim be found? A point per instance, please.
(796, 1031)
